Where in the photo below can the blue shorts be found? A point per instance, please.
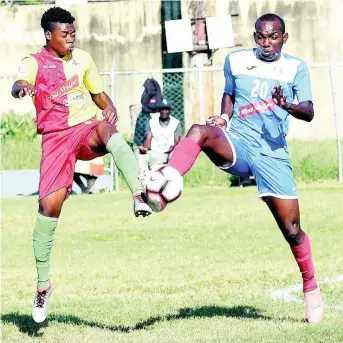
(274, 177)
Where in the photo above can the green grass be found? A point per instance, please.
(20, 154)
(312, 161)
(201, 271)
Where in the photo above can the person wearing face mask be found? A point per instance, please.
(163, 133)
(249, 137)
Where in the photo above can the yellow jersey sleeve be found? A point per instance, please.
(92, 79)
(28, 70)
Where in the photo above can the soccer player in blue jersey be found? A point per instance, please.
(249, 138)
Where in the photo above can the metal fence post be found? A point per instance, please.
(337, 121)
(201, 91)
(113, 167)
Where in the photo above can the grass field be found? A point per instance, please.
(201, 271)
(312, 161)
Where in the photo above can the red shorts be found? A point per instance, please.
(60, 150)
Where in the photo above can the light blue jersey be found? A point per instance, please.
(257, 121)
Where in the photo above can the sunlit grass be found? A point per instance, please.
(201, 271)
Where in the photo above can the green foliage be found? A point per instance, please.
(25, 2)
(312, 160)
(18, 127)
(20, 154)
(20, 142)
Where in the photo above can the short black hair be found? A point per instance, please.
(55, 15)
(272, 17)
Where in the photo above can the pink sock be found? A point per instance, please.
(184, 155)
(303, 256)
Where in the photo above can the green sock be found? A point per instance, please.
(125, 161)
(43, 237)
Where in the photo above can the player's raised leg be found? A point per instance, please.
(287, 216)
(209, 139)
(43, 237)
(105, 138)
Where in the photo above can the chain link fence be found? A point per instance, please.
(196, 93)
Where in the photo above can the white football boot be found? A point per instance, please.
(140, 206)
(314, 306)
(40, 305)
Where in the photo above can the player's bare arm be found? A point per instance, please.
(303, 110)
(103, 101)
(227, 104)
(226, 110)
(21, 88)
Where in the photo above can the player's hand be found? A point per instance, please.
(142, 149)
(27, 90)
(216, 121)
(278, 97)
(110, 114)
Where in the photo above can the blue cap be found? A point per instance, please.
(165, 103)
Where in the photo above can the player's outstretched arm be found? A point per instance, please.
(21, 88)
(303, 110)
(103, 101)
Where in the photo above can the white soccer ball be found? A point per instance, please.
(163, 186)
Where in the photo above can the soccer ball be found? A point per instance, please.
(163, 186)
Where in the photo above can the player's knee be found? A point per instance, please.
(100, 136)
(197, 132)
(105, 127)
(49, 209)
(104, 131)
(293, 233)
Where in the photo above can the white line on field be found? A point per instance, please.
(286, 294)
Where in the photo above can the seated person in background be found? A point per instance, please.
(140, 132)
(90, 171)
(150, 99)
(162, 135)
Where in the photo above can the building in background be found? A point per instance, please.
(128, 36)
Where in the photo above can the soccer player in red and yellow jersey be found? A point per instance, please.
(64, 83)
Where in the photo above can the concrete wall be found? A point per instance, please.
(128, 30)
(131, 31)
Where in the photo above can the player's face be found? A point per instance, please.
(164, 113)
(61, 39)
(269, 40)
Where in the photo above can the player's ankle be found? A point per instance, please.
(138, 193)
(42, 289)
(310, 285)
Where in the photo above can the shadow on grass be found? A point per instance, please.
(28, 326)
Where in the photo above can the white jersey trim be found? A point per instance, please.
(245, 63)
(279, 196)
(234, 155)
